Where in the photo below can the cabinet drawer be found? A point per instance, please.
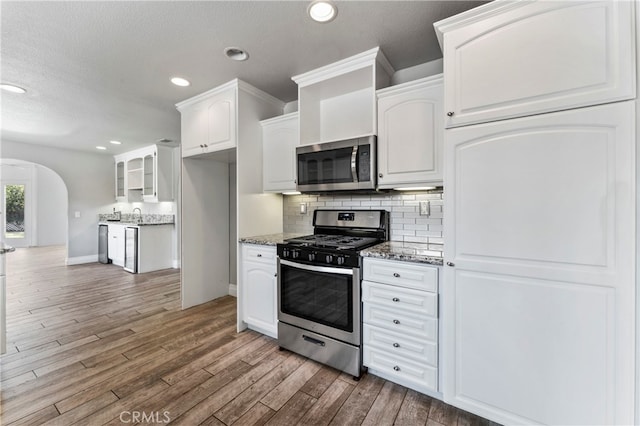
(402, 274)
(399, 298)
(419, 326)
(400, 346)
(404, 371)
(259, 253)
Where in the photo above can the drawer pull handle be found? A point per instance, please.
(395, 299)
(396, 368)
(397, 275)
(312, 340)
(396, 345)
(396, 322)
(259, 255)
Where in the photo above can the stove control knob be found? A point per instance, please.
(285, 253)
(312, 257)
(340, 260)
(328, 259)
(295, 254)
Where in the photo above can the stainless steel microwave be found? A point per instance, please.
(347, 165)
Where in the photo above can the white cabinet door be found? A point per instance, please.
(116, 244)
(194, 129)
(512, 59)
(279, 140)
(258, 290)
(120, 170)
(410, 134)
(209, 125)
(539, 307)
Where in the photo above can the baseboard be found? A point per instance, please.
(176, 264)
(233, 290)
(81, 259)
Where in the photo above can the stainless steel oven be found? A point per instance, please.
(319, 278)
(321, 299)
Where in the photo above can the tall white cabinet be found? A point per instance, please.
(222, 198)
(539, 295)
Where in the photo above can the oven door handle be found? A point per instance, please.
(341, 271)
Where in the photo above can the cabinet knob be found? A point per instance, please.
(396, 322)
(397, 275)
(396, 368)
(259, 255)
(380, 175)
(395, 299)
(451, 264)
(396, 345)
(275, 275)
(450, 113)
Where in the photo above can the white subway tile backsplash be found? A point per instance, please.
(406, 223)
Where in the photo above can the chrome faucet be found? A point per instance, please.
(133, 215)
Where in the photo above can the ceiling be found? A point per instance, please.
(99, 70)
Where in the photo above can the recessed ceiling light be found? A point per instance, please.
(322, 11)
(115, 142)
(179, 81)
(236, 54)
(102, 148)
(12, 88)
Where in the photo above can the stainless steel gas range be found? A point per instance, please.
(319, 278)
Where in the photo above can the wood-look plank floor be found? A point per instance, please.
(92, 344)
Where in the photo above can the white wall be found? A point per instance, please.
(51, 208)
(89, 181)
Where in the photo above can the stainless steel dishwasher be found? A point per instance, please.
(131, 249)
(103, 244)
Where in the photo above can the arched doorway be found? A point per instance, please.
(34, 205)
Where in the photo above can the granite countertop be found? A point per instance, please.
(133, 223)
(4, 248)
(269, 240)
(408, 252)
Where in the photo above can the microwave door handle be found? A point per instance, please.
(354, 163)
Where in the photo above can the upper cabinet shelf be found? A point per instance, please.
(514, 59)
(338, 101)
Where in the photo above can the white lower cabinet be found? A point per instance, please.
(258, 293)
(539, 304)
(400, 323)
(115, 245)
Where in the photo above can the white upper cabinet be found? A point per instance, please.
(410, 134)
(279, 140)
(146, 174)
(338, 101)
(511, 59)
(208, 121)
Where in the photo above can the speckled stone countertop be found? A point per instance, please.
(269, 240)
(408, 252)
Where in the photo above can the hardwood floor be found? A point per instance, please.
(92, 344)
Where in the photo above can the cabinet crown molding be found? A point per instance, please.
(235, 84)
(279, 118)
(479, 13)
(343, 66)
(433, 80)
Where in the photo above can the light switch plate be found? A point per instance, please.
(425, 208)
(303, 208)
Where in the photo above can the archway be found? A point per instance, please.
(44, 219)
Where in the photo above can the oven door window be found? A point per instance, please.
(331, 166)
(320, 297)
